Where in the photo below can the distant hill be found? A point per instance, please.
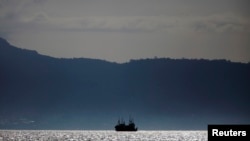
(42, 92)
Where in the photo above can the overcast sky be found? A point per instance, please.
(120, 30)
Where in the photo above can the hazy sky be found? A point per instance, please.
(120, 30)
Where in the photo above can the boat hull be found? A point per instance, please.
(125, 128)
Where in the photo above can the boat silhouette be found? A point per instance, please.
(121, 126)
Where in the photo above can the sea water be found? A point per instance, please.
(101, 135)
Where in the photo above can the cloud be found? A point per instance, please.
(29, 15)
(214, 23)
(41, 21)
(222, 24)
(112, 23)
(17, 16)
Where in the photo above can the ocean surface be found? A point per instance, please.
(101, 135)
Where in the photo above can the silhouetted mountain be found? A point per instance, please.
(42, 92)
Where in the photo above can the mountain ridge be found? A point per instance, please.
(5, 43)
(42, 92)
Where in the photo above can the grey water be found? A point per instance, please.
(101, 135)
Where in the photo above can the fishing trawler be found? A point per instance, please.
(121, 126)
